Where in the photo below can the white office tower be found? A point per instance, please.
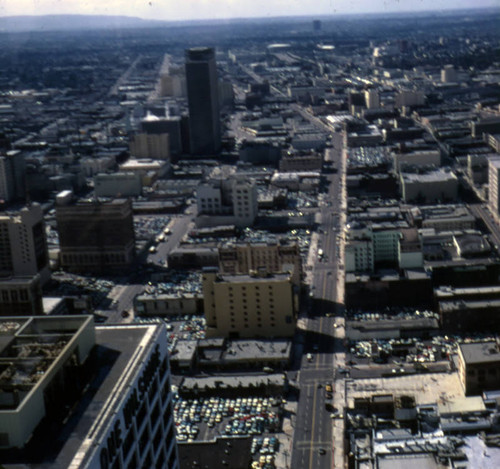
(244, 195)
(449, 74)
(372, 99)
(493, 185)
(23, 243)
(85, 396)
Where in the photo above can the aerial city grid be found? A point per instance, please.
(250, 244)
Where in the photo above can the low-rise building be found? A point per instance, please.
(479, 367)
(117, 185)
(447, 217)
(167, 304)
(21, 296)
(438, 185)
(148, 169)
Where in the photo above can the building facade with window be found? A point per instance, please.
(258, 304)
(85, 396)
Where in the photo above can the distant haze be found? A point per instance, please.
(173, 10)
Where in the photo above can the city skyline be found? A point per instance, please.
(228, 9)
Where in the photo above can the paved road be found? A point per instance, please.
(313, 427)
(124, 294)
(480, 211)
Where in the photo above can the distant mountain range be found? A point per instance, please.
(72, 23)
(11, 24)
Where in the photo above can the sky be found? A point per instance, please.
(209, 9)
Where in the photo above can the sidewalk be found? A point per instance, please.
(284, 454)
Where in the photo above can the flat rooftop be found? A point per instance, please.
(425, 388)
(207, 454)
(481, 352)
(244, 278)
(28, 349)
(252, 350)
(54, 445)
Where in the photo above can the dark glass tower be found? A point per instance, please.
(203, 100)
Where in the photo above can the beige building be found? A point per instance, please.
(242, 258)
(249, 305)
(23, 244)
(479, 367)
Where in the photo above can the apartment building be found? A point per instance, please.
(258, 304)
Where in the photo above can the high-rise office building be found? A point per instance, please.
(76, 395)
(245, 209)
(95, 235)
(12, 176)
(493, 185)
(203, 101)
(23, 243)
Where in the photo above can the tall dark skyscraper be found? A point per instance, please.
(203, 100)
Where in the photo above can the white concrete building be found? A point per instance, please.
(372, 99)
(434, 186)
(23, 243)
(493, 191)
(120, 372)
(244, 196)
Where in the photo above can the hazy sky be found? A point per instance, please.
(204, 9)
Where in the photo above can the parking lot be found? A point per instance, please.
(206, 418)
(185, 327)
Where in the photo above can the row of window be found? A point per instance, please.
(13, 296)
(93, 259)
